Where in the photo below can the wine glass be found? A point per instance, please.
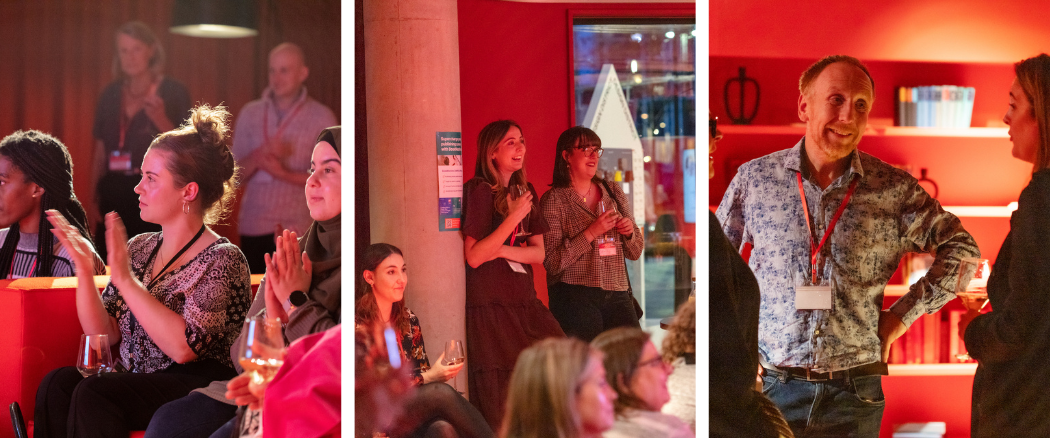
(973, 293)
(517, 191)
(260, 349)
(94, 356)
(454, 355)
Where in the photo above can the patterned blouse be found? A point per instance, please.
(888, 216)
(569, 257)
(413, 349)
(212, 292)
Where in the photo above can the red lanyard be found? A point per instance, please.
(280, 125)
(11, 272)
(814, 248)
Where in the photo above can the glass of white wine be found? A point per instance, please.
(517, 191)
(261, 347)
(94, 355)
(973, 293)
(454, 355)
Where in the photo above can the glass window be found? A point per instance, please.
(654, 65)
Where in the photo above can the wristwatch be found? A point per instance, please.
(295, 299)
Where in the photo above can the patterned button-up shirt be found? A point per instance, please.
(888, 215)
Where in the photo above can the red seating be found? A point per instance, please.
(41, 333)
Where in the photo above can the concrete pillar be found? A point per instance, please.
(412, 88)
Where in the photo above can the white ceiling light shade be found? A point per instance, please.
(214, 18)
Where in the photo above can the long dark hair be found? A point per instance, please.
(568, 141)
(366, 309)
(45, 161)
(1034, 76)
(484, 168)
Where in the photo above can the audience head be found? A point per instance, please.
(189, 170)
(36, 174)
(558, 389)
(382, 278)
(501, 151)
(1028, 115)
(137, 51)
(681, 335)
(634, 369)
(577, 153)
(324, 186)
(287, 70)
(836, 95)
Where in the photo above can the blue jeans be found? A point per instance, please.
(835, 408)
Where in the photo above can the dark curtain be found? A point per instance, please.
(56, 56)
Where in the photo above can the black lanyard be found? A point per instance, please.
(173, 259)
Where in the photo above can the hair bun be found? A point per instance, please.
(211, 126)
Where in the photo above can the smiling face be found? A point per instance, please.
(287, 73)
(388, 280)
(835, 109)
(159, 199)
(323, 187)
(594, 399)
(1024, 129)
(509, 153)
(134, 55)
(19, 198)
(649, 382)
(582, 159)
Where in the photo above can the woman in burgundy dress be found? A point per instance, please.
(503, 233)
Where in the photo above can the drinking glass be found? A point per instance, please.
(260, 349)
(517, 191)
(454, 355)
(972, 293)
(94, 356)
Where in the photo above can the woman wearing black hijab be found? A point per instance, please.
(306, 295)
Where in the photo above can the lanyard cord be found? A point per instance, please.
(173, 259)
(814, 247)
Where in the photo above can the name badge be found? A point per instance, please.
(517, 267)
(813, 297)
(119, 162)
(607, 248)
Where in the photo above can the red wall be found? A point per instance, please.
(514, 64)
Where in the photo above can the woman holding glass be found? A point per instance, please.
(176, 299)
(588, 239)
(1011, 342)
(435, 405)
(310, 268)
(503, 237)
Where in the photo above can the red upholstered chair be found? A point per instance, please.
(41, 333)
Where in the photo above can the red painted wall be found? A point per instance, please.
(514, 64)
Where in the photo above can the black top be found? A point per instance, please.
(734, 300)
(1011, 343)
(140, 130)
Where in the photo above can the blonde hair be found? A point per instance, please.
(541, 402)
(1033, 74)
(681, 335)
(814, 70)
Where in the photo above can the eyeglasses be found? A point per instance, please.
(713, 123)
(591, 150)
(656, 361)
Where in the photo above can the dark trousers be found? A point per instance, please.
(254, 247)
(437, 409)
(193, 416)
(107, 405)
(584, 312)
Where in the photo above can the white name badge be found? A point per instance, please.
(607, 249)
(119, 162)
(517, 267)
(813, 297)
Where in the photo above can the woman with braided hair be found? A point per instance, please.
(36, 174)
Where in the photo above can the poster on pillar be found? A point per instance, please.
(450, 180)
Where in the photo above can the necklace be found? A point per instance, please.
(587, 193)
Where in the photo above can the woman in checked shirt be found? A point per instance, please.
(587, 242)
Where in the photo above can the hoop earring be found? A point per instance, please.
(185, 207)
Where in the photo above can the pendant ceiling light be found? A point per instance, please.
(214, 18)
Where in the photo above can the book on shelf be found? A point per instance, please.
(935, 106)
